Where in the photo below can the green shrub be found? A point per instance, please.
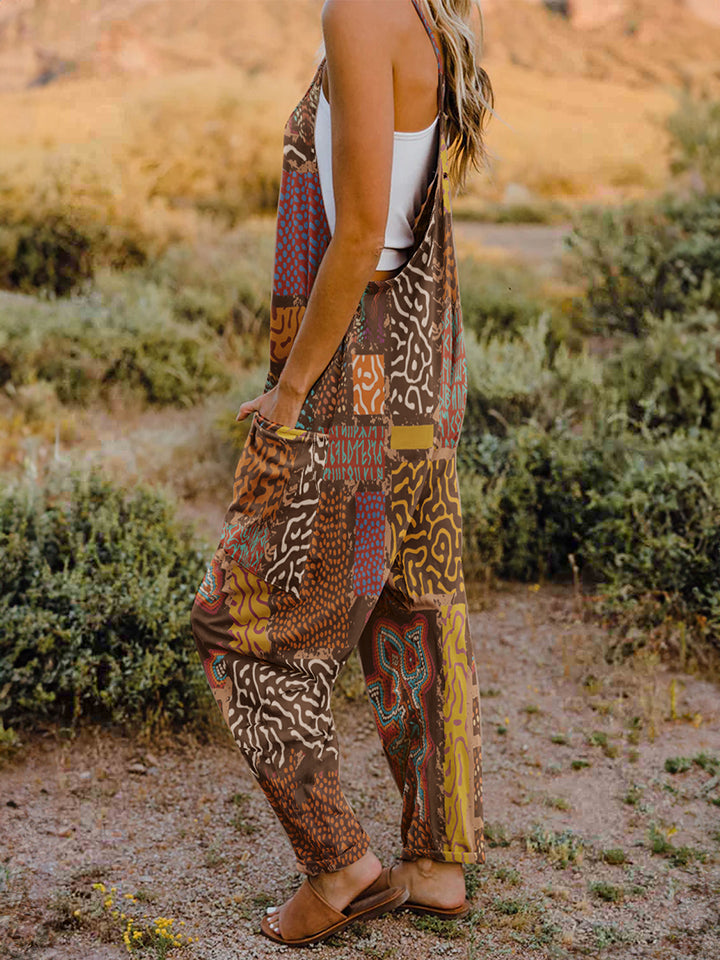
(705, 761)
(638, 261)
(96, 586)
(678, 764)
(59, 252)
(678, 856)
(615, 856)
(511, 381)
(505, 379)
(121, 336)
(52, 255)
(708, 762)
(498, 300)
(482, 524)
(9, 743)
(607, 891)
(527, 497)
(225, 285)
(640, 513)
(694, 129)
(670, 378)
(560, 849)
(655, 540)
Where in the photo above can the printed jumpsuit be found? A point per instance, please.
(346, 530)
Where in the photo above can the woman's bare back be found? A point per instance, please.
(414, 68)
(414, 72)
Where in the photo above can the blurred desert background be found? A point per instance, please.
(140, 157)
(177, 105)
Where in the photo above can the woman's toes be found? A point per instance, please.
(271, 910)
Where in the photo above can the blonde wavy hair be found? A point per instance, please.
(469, 96)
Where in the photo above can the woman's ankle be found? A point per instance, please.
(432, 882)
(339, 887)
(430, 868)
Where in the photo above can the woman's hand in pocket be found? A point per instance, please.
(278, 405)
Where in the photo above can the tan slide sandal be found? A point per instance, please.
(308, 918)
(383, 882)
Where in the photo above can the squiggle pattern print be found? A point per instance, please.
(457, 711)
(273, 711)
(248, 603)
(292, 533)
(413, 380)
(432, 547)
(398, 688)
(345, 530)
(368, 384)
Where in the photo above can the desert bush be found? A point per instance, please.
(670, 378)
(54, 245)
(640, 513)
(640, 261)
(96, 586)
(527, 497)
(654, 541)
(694, 130)
(483, 542)
(527, 377)
(498, 300)
(123, 336)
(225, 284)
(52, 255)
(168, 162)
(505, 379)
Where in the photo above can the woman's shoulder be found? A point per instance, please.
(363, 15)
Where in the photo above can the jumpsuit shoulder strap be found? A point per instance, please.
(431, 33)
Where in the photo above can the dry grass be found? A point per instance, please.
(158, 158)
(588, 138)
(154, 159)
(159, 155)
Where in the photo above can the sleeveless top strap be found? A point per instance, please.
(431, 33)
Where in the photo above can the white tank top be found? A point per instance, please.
(414, 162)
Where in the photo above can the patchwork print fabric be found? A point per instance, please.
(346, 530)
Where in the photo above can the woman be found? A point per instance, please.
(345, 525)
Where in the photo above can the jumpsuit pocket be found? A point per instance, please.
(269, 525)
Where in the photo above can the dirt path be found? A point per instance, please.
(568, 775)
(538, 244)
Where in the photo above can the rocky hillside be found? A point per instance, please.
(44, 41)
(631, 42)
(637, 43)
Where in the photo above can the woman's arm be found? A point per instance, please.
(359, 50)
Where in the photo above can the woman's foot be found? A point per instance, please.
(431, 883)
(340, 887)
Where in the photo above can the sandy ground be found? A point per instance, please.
(574, 765)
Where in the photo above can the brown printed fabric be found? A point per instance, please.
(345, 531)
